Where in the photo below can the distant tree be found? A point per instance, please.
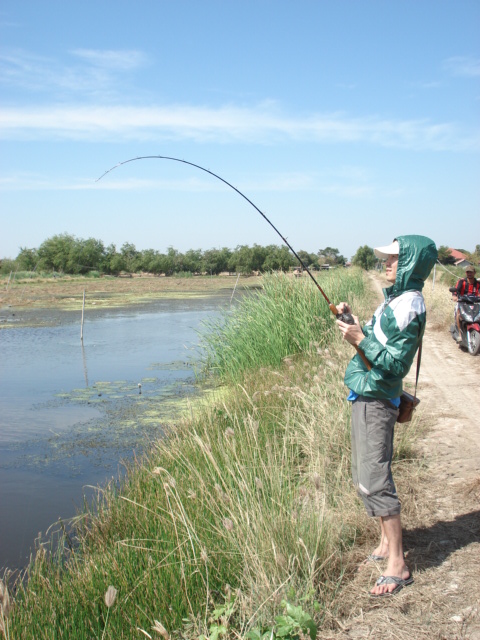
(112, 261)
(86, 255)
(277, 259)
(153, 261)
(27, 259)
(175, 261)
(145, 259)
(193, 261)
(57, 253)
(169, 261)
(444, 255)
(214, 261)
(7, 265)
(156, 263)
(131, 257)
(474, 257)
(116, 264)
(365, 258)
(308, 259)
(331, 256)
(241, 260)
(68, 254)
(258, 256)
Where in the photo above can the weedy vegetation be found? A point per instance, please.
(238, 522)
(438, 299)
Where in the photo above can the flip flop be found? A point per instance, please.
(398, 582)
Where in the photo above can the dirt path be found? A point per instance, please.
(442, 516)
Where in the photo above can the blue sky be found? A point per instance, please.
(346, 122)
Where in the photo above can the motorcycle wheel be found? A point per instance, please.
(474, 342)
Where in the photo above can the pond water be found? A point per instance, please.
(70, 414)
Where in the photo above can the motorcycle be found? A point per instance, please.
(469, 310)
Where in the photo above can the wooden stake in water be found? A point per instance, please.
(9, 278)
(85, 370)
(234, 289)
(83, 311)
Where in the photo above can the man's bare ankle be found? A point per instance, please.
(398, 569)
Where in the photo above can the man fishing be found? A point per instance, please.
(389, 342)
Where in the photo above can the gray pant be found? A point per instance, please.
(373, 423)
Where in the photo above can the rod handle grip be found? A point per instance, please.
(348, 319)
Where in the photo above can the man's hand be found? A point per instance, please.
(352, 333)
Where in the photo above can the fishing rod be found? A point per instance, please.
(343, 317)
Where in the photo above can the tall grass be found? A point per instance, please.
(438, 299)
(286, 317)
(249, 501)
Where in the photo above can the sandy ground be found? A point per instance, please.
(442, 522)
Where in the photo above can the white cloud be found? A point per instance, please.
(463, 66)
(24, 69)
(258, 124)
(90, 72)
(112, 59)
(34, 182)
(347, 182)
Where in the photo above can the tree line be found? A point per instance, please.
(64, 253)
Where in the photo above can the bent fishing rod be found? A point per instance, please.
(344, 317)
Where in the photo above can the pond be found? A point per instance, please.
(70, 414)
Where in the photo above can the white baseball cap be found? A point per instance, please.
(391, 249)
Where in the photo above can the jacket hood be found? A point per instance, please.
(416, 258)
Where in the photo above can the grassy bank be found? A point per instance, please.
(246, 504)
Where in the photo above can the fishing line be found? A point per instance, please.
(448, 270)
(344, 317)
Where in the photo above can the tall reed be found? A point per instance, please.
(287, 316)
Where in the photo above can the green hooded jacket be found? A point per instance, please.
(393, 334)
